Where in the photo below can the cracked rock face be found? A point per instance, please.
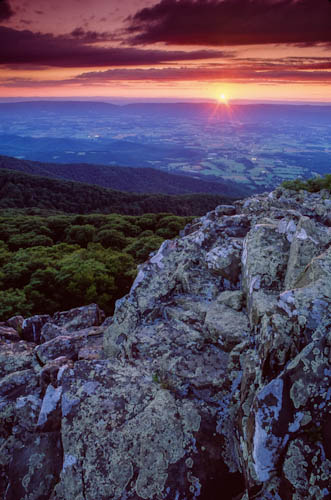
(213, 379)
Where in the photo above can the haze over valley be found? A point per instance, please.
(256, 146)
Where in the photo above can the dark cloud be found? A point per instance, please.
(36, 49)
(5, 10)
(258, 70)
(90, 36)
(293, 63)
(233, 22)
(283, 71)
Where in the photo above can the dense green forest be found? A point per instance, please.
(57, 262)
(52, 259)
(19, 190)
(312, 185)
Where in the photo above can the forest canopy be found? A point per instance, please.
(22, 191)
(56, 262)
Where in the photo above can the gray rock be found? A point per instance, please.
(79, 318)
(225, 260)
(69, 345)
(49, 416)
(149, 439)
(216, 381)
(50, 331)
(31, 327)
(225, 210)
(15, 322)
(19, 401)
(15, 356)
(233, 299)
(49, 374)
(34, 467)
(7, 333)
(226, 326)
(309, 240)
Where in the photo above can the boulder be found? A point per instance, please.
(225, 260)
(34, 467)
(31, 327)
(52, 370)
(19, 402)
(19, 409)
(233, 299)
(69, 345)
(79, 318)
(15, 356)
(15, 322)
(226, 326)
(309, 240)
(7, 333)
(70, 322)
(293, 408)
(50, 331)
(149, 439)
(49, 418)
(225, 210)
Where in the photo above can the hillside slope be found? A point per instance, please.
(138, 180)
(20, 190)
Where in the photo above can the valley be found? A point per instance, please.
(256, 146)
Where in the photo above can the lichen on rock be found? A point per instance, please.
(212, 380)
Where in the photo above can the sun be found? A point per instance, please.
(223, 98)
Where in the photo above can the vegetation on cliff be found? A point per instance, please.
(312, 185)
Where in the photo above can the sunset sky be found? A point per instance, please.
(244, 49)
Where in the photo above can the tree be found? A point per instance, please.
(111, 238)
(141, 248)
(30, 239)
(4, 253)
(13, 302)
(83, 280)
(80, 234)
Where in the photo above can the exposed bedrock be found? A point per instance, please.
(212, 381)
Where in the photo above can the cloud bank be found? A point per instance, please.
(233, 22)
(76, 50)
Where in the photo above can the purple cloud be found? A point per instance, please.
(75, 50)
(240, 70)
(232, 22)
(5, 10)
(282, 71)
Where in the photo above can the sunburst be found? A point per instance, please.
(223, 98)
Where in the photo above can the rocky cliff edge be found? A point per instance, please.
(212, 381)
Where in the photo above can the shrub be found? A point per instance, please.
(312, 185)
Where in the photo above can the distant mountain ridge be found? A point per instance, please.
(256, 110)
(138, 180)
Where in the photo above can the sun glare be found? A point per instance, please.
(223, 98)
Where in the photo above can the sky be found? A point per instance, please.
(156, 49)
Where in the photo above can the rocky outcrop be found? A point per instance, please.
(213, 379)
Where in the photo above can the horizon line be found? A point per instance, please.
(161, 100)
